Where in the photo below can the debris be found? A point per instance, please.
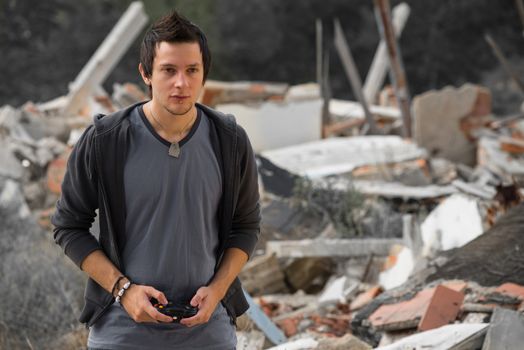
(421, 311)
(379, 66)
(253, 340)
(336, 291)
(106, 57)
(365, 298)
(455, 222)
(309, 274)
(495, 159)
(353, 110)
(352, 73)
(348, 341)
(441, 115)
(506, 331)
(396, 67)
(263, 322)
(493, 258)
(398, 190)
(259, 122)
(400, 271)
(343, 154)
(300, 344)
(330, 247)
(449, 337)
(219, 92)
(263, 275)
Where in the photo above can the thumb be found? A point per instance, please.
(198, 298)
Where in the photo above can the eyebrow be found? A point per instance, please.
(192, 65)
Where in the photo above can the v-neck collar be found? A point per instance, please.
(160, 138)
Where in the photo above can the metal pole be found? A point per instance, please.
(396, 72)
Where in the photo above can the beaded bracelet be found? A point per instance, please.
(122, 291)
(116, 283)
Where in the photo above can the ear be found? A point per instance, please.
(146, 80)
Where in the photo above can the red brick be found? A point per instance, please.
(458, 286)
(443, 308)
(403, 315)
(429, 308)
(511, 289)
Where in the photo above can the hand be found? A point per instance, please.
(137, 304)
(206, 299)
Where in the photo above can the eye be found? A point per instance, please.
(192, 70)
(168, 70)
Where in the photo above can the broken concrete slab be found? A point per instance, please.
(309, 91)
(491, 155)
(259, 122)
(449, 337)
(331, 247)
(441, 117)
(342, 154)
(398, 190)
(506, 331)
(455, 222)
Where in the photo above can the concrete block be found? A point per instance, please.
(441, 117)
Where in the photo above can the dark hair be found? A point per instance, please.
(172, 28)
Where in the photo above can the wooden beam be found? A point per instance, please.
(331, 247)
(106, 57)
(352, 73)
(379, 66)
(397, 74)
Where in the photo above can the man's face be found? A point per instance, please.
(177, 76)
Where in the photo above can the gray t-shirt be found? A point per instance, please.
(171, 237)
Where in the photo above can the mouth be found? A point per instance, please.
(179, 97)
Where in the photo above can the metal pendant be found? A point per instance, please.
(174, 150)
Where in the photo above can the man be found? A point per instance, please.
(175, 183)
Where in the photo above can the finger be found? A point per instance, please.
(158, 295)
(157, 315)
(191, 321)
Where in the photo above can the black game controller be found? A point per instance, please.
(175, 310)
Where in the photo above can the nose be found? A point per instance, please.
(181, 80)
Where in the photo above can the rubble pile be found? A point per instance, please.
(369, 238)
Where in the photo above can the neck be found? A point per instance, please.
(171, 126)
